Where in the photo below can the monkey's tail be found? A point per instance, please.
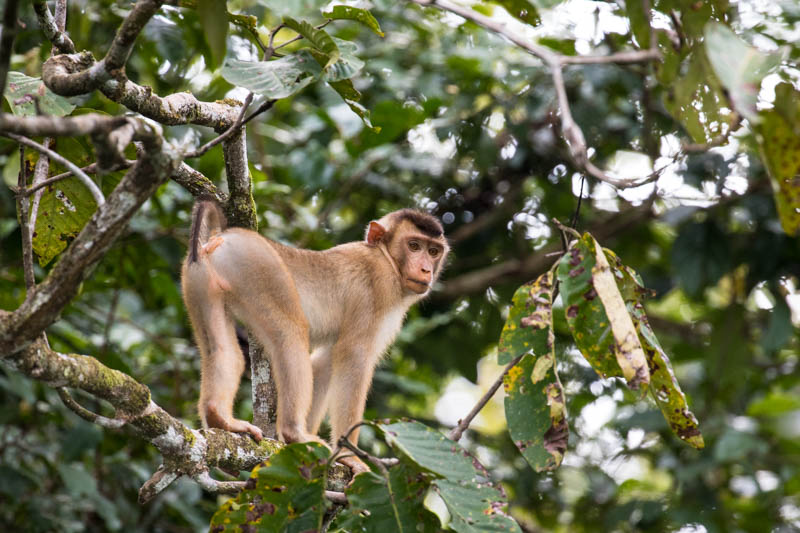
(207, 220)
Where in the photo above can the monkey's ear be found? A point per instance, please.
(375, 233)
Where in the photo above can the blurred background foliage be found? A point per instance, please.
(469, 131)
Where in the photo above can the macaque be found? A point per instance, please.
(323, 317)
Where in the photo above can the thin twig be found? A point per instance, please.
(364, 456)
(555, 61)
(61, 15)
(226, 134)
(565, 229)
(75, 407)
(40, 172)
(97, 194)
(25, 229)
(463, 424)
(294, 39)
(88, 169)
(336, 497)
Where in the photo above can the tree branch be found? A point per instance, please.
(74, 83)
(186, 451)
(25, 229)
(463, 424)
(52, 28)
(97, 194)
(78, 409)
(159, 481)
(7, 39)
(43, 305)
(572, 133)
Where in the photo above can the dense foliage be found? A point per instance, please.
(425, 109)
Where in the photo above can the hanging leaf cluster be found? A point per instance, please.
(326, 58)
(602, 300)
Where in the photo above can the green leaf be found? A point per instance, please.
(378, 505)
(664, 386)
(474, 504)
(474, 507)
(779, 144)
(214, 18)
(522, 9)
(640, 22)
(285, 493)
(739, 66)
(534, 403)
(345, 67)
(774, 404)
(273, 79)
(596, 313)
(780, 328)
(19, 85)
(526, 328)
(697, 100)
(65, 207)
(346, 90)
(353, 13)
(318, 38)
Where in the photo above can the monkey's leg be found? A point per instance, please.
(350, 382)
(321, 364)
(286, 342)
(223, 363)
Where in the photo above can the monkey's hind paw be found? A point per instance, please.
(240, 426)
(357, 466)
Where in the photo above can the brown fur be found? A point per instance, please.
(324, 317)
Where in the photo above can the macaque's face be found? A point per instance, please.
(418, 256)
(423, 256)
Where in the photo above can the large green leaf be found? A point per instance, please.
(379, 505)
(285, 493)
(523, 331)
(65, 207)
(343, 68)
(534, 402)
(640, 22)
(474, 503)
(273, 79)
(213, 16)
(318, 38)
(19, 85)
(779, 143)
(698, 101)
(739, 66)
(601, 325)
(664, 386)
(354, 13)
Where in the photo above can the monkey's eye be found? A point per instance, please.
(414, 246)
(433, 251)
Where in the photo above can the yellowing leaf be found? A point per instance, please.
(629, 352)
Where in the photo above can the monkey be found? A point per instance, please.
(324, 317)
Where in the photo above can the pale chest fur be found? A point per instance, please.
(390, 324)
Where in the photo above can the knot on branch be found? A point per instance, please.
(72, 74)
